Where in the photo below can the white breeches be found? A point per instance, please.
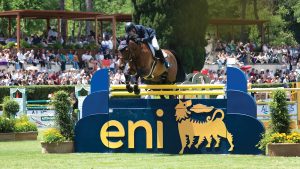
(155, 43)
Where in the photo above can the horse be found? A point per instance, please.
(142, 63)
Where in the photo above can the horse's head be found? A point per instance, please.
(137, 55)
(125, 58)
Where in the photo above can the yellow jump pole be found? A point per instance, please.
(125, 93)
(192, 86)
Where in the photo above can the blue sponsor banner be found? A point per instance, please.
(210, 126)
(168, 126)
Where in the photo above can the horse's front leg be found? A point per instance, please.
(129, 88)
(136, 88)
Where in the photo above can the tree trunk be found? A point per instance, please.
(243, 15)
(73, 27)
(81, 22)
(89, 8)
(63, 21)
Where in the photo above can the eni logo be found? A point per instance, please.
(105, 134)
(211, 127)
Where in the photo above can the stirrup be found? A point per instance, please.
(167, 64)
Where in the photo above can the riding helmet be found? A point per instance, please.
(129, 26)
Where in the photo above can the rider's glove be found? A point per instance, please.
(139, 40)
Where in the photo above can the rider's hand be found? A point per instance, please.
(139, 40)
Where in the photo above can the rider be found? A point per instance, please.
(147, 35)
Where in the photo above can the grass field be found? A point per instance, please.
(27, 154)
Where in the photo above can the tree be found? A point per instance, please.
(180, 26)
(111, 7)
(63, 21)
(62, 105)
(280, 119)
(89, 8)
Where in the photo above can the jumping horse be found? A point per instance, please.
(142, 63)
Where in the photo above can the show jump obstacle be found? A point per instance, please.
(190, 126)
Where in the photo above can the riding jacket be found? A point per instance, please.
(147, 34)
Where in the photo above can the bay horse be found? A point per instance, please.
(142, 64)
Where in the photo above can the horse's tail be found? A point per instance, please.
(180, 76)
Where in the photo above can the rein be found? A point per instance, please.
(150, 75)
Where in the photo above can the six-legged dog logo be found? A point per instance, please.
(211, 127)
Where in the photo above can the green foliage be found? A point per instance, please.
(90, 46)
(284, 38)
(6, 98)
(110, 7)
(224, 9)
(53, 135)
(77, 46)
(280, 122)
(280, 119)
(296, 9)
(34, 4)
(71, 46)
(266, 139)
(10, 108)
(254, 34)
(63, 117)
(24, 44)
(24, 125)
(42, 92)
(271, 137)
(180, 25)
(10, 45)
(38, 46)
(6, 125)
(56, 45)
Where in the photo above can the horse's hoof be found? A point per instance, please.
(129, 88)
(137, 91)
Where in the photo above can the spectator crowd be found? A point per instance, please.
(251, 53)
(255, 76)
(44, 66)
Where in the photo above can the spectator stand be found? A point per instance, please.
(59, 15)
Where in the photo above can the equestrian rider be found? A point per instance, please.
(147, 35)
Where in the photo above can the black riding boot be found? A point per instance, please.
(160, 56)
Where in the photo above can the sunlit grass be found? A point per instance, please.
(27, 154)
